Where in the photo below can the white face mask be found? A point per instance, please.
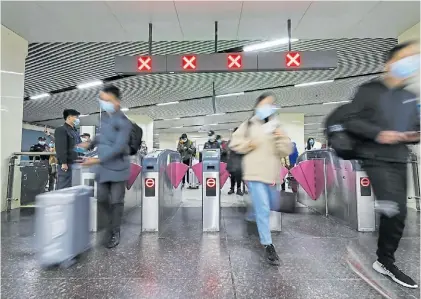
(41, 142)
(84, 139)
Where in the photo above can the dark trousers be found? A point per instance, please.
(111, 203)
(187, 162)
(235, 180)
(389, 181)
(51, 178)
(64, 178)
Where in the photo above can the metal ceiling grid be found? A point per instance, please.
(54, 66)
(356, 57)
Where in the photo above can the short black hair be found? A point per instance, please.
(264, 96)
(184, 135)
(114, 90)
(211, 133)
(86, 134)
(218, 137)
(70, 112)
(41, 138)
(398, 48)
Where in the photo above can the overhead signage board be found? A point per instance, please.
(218, 62)
(227, 62)
(295, 61)
(131, 65)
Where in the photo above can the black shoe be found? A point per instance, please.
(114, 240)
(239, 192)
(245, 192)
(271, 255)
(395, 274)
(231, 192)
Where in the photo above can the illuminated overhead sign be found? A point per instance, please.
(223, 62)
(234, 61)
(293, 59)
(144, 63)
(189, 62)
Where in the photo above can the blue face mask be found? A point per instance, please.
(265, 111)
(106, 106)
(406, 67)
(311, 142)
(51, 145)
(76, 122)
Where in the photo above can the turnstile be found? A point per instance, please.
(211, 191)
(150, 199)
(160, 199)
(365, 203)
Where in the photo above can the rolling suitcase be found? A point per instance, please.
(194, 182)
(62, 225)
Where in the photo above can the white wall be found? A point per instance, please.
(412, 33)
(293, 125)
(14, 50)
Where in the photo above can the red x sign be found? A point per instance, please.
(144, 63)
(235, 61)
(293, 59)
(189, 62)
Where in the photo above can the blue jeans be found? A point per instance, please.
(264, 198)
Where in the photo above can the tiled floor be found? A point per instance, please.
(186, 263)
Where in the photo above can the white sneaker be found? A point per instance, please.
(395, 274)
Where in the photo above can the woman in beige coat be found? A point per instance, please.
(263, 144)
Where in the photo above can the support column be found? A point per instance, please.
(14, 50)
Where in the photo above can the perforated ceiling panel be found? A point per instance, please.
(356, 57)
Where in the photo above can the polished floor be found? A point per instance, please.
(185, 263)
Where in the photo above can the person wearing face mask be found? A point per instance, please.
(263, 144)
(86, 137)
(385, 118)
(65, 138)
(39, 147)
(212, 143)
(187, 150)
(112, 166)
(310, 144)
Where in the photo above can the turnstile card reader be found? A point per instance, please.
(150, 200)
(211, 194)
(366, 212)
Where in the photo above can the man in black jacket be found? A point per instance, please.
(66, 138)
(385, 118)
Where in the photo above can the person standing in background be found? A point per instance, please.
(212, 143)
(234, 167)
(187, 150)
(66, 138)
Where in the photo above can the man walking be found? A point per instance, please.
(385, 118)
(113, 165)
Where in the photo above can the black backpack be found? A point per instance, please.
(338, 138)
(135, 140)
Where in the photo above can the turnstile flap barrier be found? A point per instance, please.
(305, 174)
(198, 171)
(175, 172)
(135, 170)
(223, 173)
(284, 172)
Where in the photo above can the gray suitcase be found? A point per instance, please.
(62, 225)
